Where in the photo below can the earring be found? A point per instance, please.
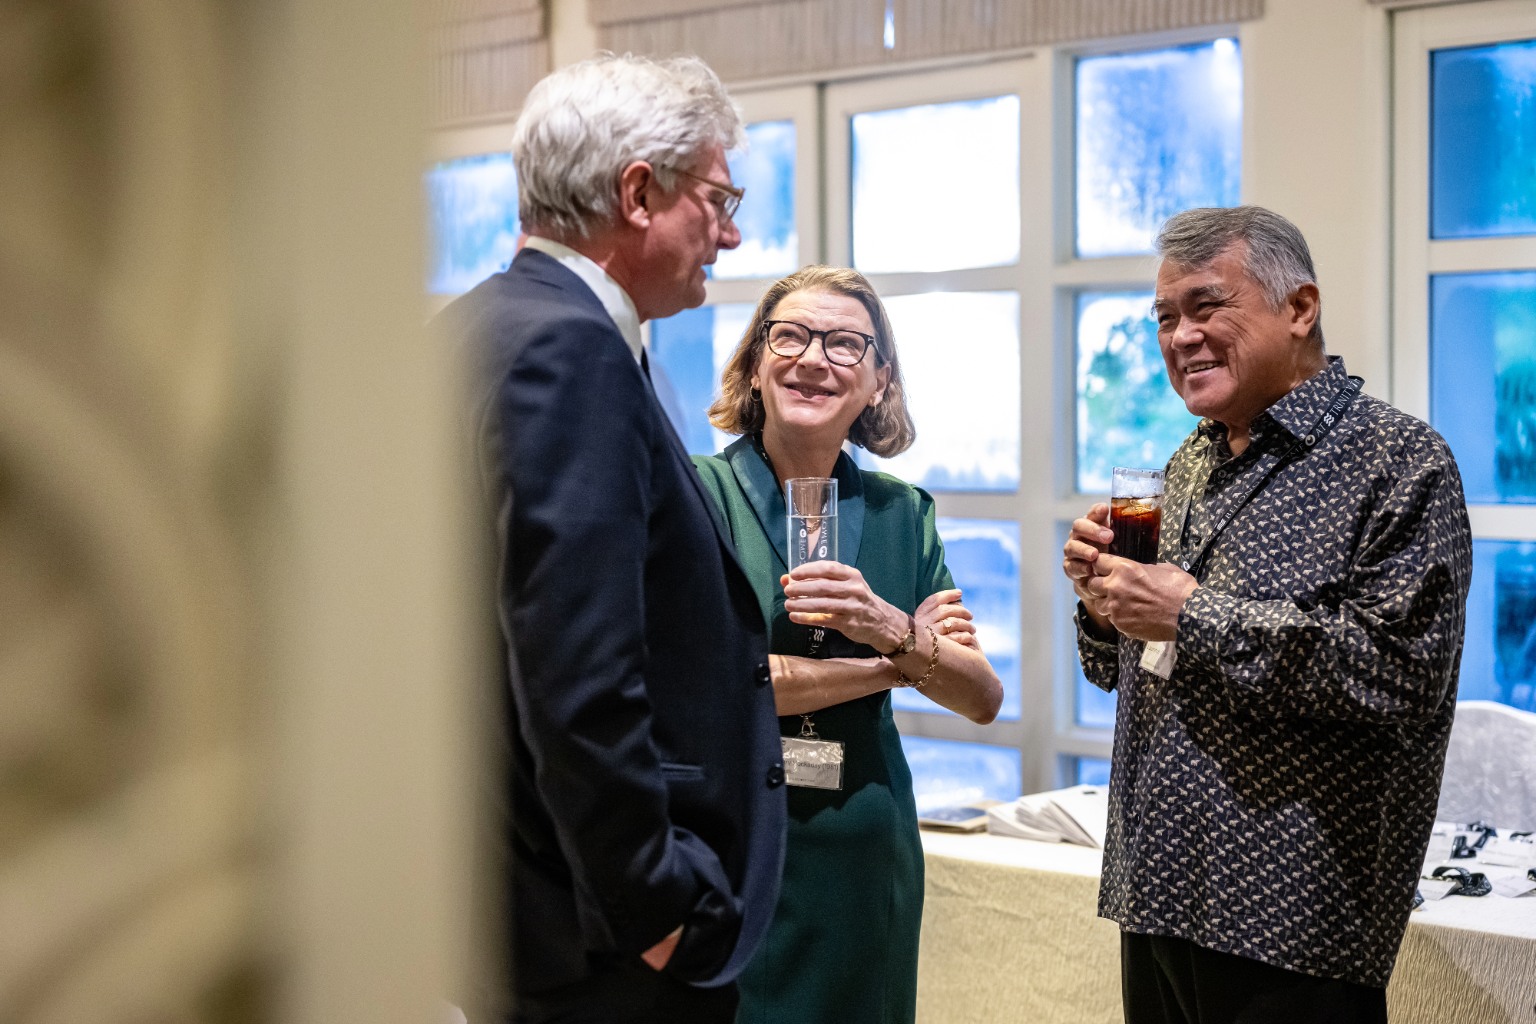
(757, 396)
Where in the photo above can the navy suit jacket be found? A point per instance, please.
(645, 776)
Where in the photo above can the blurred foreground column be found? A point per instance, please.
(233, 655)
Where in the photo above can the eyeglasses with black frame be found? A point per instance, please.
(730, 196)
(841, 347)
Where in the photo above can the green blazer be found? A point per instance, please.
(843, 942)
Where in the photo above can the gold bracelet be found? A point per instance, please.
(933, 663)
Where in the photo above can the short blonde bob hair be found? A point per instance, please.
(885, 428)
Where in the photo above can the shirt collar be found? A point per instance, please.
(1298, 409)
(608, 291)
(1295, 411)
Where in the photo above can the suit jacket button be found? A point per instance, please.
(763, 675)
(776, 776)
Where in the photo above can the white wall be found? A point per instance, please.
(1316, 148)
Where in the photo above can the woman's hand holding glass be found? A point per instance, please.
(836, 595)
(833, 594)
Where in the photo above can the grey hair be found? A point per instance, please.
(1276, 255)
(583, 124)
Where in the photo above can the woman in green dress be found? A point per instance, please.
(816, 367)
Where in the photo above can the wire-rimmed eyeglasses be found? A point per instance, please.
(841, 347)
(730, 196)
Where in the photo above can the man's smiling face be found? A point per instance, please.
(1230, 354)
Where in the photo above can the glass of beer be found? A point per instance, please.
(811, 504)
(1136, 513)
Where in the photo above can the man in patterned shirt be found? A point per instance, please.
(1277, 763)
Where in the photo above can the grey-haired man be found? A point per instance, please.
(1287, 672)
(646, 821)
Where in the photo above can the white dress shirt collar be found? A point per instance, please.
(608, 291)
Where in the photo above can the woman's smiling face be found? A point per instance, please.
(807, 396)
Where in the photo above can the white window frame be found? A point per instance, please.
(1417, 257)
(1046, 279)
(1071, 275)
(1030, 506)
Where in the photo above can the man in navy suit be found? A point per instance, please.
(645, 835)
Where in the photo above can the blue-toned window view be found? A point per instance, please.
(1086, 771)
(960, 362)
(1092, 708)
(688, 352)
(962, 157)
(1482, 393)
(472, 206)
(983, 557)
(770, 244)
(1483, 140)
(1158, 131)
(1127, 412)
(1499, 659)
(945, 772)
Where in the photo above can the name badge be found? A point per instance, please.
(813, 764)
(1436, 888)
(1159, 657)
(1514, 887)
(1508, 852)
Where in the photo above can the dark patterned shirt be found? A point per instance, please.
(1273, 799)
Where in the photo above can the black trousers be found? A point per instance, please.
(1174, 981)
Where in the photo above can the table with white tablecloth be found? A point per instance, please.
(1010, 932)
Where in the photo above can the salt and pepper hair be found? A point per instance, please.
(583, 124)
(1276, 255)
(884, 428)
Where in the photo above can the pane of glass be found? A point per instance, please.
(1483, 140)
(960, 361)
(1482, 373)
(688, 354)
(770, 245)
(964, 158)
(472, 206)
(1088, 771)
(1499, 659)
(1095, 708)
(983, 557)
(1158, 132)
(1127, 412)
(945, 772)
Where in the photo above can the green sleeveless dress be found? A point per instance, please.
(843, 943)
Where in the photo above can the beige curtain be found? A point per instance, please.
(747, 39)
(486, 55)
